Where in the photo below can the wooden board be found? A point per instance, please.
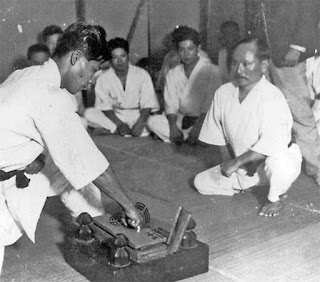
(163, 215)
(146, 237)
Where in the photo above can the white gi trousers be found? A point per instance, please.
(20, 209)
(98, 119)
(159, 125)
(278, 171)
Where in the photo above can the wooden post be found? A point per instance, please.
(80, 10)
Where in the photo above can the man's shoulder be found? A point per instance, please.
(138, 71)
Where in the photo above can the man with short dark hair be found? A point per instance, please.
(188, 92)
(49, 36)
(37, 117)
(125, 96)
(38, 54)
(251, 117)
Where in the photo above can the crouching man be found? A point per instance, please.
(37, 117)
(251, 117)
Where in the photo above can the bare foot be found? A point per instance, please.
(271, 208)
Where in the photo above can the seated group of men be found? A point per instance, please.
(248, 118)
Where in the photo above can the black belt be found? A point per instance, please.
(21, 180)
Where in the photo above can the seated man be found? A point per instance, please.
(125, 95)
(251, 116)
(42, 120)
(188, 92)
(38, 54)
(172, 57)
(49, 36)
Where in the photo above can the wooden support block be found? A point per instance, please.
(93, 263)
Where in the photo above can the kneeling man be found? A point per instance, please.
(251, 117)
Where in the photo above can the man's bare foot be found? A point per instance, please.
(271, 208)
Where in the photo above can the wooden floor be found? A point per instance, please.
(243, 245)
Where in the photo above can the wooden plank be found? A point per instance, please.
(179, 231)
(146, 236)
(163, 215)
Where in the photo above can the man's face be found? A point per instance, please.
(51, 42)
(119, 59)
(246, 69)
(188, 52)
(79, 73)
(39, 58)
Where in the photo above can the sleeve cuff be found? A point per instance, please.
(298, 48)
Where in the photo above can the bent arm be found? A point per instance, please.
(109, 184)
(112, 116)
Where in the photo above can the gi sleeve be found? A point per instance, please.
(148, 98)
(103, 100)
(69, 144)
(171, 95)
(275, 126)
(212, 130)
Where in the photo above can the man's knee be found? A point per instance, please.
(199, 183)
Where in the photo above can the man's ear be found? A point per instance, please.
(75, 56)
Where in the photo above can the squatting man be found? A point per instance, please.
(251, 117)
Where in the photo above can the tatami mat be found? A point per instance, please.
(243, 246)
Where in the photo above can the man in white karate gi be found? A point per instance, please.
(188, 92)
(37, 118)
(251, 116)
(125, 96)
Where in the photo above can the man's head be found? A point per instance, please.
(187, 41)
(50, 36)
(250, 58)
(38, 54)
(229, 34)
(78, 55)
(119, 49)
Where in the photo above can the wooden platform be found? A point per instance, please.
(243, 245)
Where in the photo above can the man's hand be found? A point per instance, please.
(124, 129)
(176, 135)
(36, 166)
(134, 217)
(138, 127)
(229, 167)
(291, 58)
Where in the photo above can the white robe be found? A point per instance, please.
(37, 116)
(262, 123)
(126, 103)
(186, 96)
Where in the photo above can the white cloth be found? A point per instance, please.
(191, 96)
(261, 123)
(126, 103)
(138, 93)
(35, 114)
(186, 96)
(313, 77)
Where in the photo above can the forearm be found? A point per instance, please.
(112, 116)
(198, 124)
(248, 157)
(224, 153)
(172, 119)
(108, 184)
(144, 114)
